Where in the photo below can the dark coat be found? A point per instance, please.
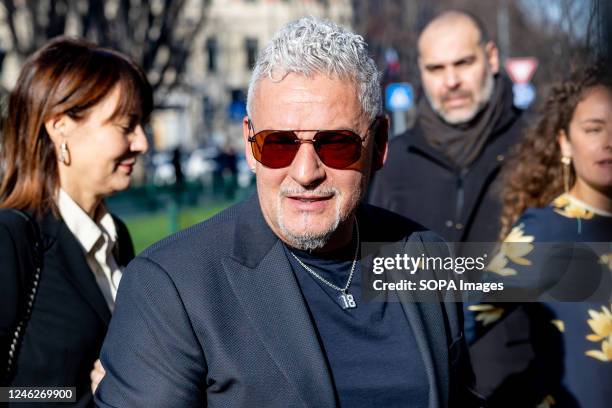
(419, 182)
(214, 316)
(70, 316)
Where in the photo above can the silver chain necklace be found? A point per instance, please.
(346, 299)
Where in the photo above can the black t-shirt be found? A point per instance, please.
(371, 349)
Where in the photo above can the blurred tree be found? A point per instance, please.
(561, 35)
(158, 34)
(391, 28)
(603, 33)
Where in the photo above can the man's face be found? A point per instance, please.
(307, 204)
(456, 70)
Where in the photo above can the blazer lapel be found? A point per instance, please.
(427, 321)
(76, 269)
(273, 301)
(427, 324)
(428, 327)
(263, 281)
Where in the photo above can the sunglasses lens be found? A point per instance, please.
(278, 148)
(338, 148)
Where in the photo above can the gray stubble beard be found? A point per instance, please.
(309, 241)
(487, 93)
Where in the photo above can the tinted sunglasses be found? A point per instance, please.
(337, 149)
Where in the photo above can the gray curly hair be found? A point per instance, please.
(310, 46)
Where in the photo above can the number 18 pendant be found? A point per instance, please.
(347, 301)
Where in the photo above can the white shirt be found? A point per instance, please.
(98, 241)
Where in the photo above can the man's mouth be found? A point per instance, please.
(309, 202)
(456, 100)
(310, 199)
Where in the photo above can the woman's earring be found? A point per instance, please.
(566, 161)
(63, 155)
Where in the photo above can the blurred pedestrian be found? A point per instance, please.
(443, 173)
(559, 190)
(71, 138)
(179, 177)
(230, 173)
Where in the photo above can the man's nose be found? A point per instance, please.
(451, 78)
(306, 168)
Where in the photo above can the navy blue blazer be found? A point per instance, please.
(214, 316)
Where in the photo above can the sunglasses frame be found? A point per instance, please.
(254, 144)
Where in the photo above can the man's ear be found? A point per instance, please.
(248, 153)
(492, 55)
(381, 142)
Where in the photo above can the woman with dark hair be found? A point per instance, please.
(70, 138)
(558, 192)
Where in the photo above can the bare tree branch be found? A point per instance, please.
(156, 34)
(11, 12)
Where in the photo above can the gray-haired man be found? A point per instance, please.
(261, 306)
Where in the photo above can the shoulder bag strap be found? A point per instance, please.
(29, 295)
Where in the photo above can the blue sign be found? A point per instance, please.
(399, 97)
(524, 94)
(237, 111)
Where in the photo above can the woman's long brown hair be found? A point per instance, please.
(66, 76)
(533, 176)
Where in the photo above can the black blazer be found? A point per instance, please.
(70, 317)
(418, 182)
(213, 316)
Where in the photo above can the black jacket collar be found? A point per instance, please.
(63, 245)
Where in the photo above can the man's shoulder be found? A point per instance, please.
(398, 145)
(521, 119)
(399, 149)
(387, 226)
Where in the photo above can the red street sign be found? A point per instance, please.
(521, 70)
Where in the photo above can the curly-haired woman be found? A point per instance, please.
(559, 190)
(567, 155)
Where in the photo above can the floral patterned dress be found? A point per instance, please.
(572, 341)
